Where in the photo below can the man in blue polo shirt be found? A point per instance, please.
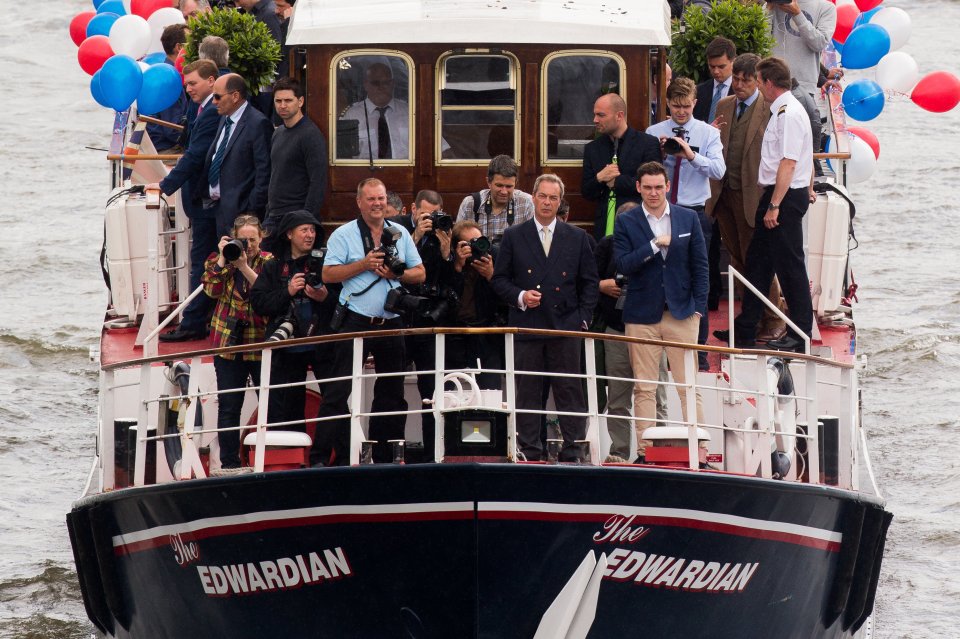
(368, 268)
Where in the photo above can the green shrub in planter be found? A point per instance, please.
(254, 53)
(744, 23)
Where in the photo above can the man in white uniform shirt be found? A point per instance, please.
(695, 158)
(786, 169)
(384, 122)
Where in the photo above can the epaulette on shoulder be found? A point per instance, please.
(782, 110)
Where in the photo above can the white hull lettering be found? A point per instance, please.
(270, 575)
(689, 575)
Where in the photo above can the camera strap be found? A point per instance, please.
(367, 237)
(488, 210)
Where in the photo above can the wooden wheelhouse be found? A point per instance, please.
(469, 80)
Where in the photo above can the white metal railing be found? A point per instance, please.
(758, 433)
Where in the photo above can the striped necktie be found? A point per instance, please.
(717, 96)
(213, 175)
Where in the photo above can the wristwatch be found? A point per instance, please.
(773, 207)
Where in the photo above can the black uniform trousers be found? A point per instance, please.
(556, 355)
(332, 441)
(778, 251)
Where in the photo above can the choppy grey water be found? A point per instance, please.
(52, 296)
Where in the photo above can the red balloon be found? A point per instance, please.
(938, 92)
(181, 58)
(78, 26)
(144, 8)
(93, 52)
(866, 5)
(847, 15)
(868, 137)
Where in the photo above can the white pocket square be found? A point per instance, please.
(684, 235)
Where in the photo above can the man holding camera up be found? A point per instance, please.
(431, 231)
(372, 257)
(291, 293)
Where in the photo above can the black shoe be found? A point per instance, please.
(724, 336)
(786, 343)
(180, 335)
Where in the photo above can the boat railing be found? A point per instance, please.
(761, 431)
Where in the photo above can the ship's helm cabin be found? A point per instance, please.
(463, 82)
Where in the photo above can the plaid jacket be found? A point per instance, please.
(232, 291)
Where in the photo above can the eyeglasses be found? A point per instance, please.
(217, 97)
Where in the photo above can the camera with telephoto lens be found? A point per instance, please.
(441, 221)
(622, 282)
(234, 249)
(286, 329)
(402, 302)
(442, 303)
(480, 248)
(391, 255)
(313, 269)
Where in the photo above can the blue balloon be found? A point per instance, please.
(100, 24)
(120, 81)
(155, 58)
(863, 100)
(838, 46)
(96, 92)
(112, 6)
(865, 46)
(161, 87)
(97, 3)
(865, 17)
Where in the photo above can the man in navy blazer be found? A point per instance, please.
(659, 247)
(236, 173)
(546, 272)
(611, 161)
(198, 80)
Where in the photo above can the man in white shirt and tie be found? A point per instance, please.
(383, 121)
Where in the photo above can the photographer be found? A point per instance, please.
(227, 278)
(479, 305)
(372, 257)
(291, 294)
(431, 230)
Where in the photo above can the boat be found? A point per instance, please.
(765, 520)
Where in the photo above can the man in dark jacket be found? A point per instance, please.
(610, 162)
(289, 292)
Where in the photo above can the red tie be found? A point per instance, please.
(675, 184)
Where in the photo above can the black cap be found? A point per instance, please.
(292, 220)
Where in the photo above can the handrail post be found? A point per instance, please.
(263, 412)
(690, 401)
(764, 418)
(151, 314)
(593, 407)
(763, 298)
(143, 418)
(189, 451)
(107, 443)
(356, 402)
(511, 379)
(439, 366)
(813, 429)
(848, 432)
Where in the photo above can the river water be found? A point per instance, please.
(52, 191)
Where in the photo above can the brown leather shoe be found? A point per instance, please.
(768, 334)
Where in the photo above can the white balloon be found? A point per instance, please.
(862, 162)
(898, 72)
(897, 23)
(160, 20)
(126, 6)
(130, 35)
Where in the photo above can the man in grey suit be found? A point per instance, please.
(236, 172)
(546, 272)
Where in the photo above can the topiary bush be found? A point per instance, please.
(744, 23)
(254, 53)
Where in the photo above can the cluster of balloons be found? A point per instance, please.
(119, 45)
(869, 35)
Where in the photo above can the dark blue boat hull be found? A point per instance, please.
(433, 551)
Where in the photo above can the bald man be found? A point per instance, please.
(611, 161)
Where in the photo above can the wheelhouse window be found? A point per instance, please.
(573, 80)
(374, 117)
(478, 107)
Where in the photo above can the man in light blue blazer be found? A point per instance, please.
(659, 247)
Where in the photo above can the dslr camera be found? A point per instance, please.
(391, 255)
(286, 329)
(313, 268)
(234, 249)
(480, 247)
(441, 221)
(406, 304)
